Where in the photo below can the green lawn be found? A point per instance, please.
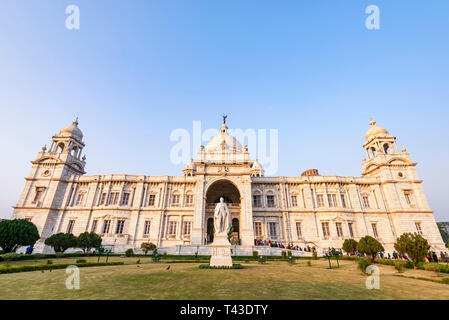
(275, 280)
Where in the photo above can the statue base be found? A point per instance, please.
(221, 252)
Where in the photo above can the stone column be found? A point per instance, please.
(199, 213)
(247, 228)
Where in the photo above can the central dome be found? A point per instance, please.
(223, 142)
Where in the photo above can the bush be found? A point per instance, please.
(399, 265)
(129, 252)
(55, 266)
(49, 261)
(60, 242)
(284, 255)
(255, 254)
(350, 246)
(147, 246)
(314, 255)
(414, 245)
(11, 256)
(16, 233)
(81, 261)
(289, 253)
(88, 240)
(363, 264)
(370, 246)
(432, 267)
(445, 280)
(309, 263)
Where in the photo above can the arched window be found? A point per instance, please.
(60, 147)
(386, 148)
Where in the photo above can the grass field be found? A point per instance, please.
(274, 280)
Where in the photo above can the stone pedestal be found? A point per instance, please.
(221, 252)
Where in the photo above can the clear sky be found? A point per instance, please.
(137, 70)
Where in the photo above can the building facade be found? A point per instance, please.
(177, 211)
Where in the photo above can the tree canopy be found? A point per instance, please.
(88, 240)
(61, 241)
(370, 246)
(16, 233)
(414, 245)
(350, 246)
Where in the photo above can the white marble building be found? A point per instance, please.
(176, 211)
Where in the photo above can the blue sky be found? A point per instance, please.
(137, 70)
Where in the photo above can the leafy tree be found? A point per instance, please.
(414, 245)
(16, 233)
(370, 246)
(444, 230)
(61, 242)
(350, 246)
(88, 240)
(147, 246)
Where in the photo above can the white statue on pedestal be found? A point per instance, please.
(222, 219)
(221, 248)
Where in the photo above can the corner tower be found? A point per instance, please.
(46, 185)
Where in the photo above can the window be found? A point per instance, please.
(189, 199)
(374, 225)
(114, 198)
(79, 199)
(186, 228)
(125, 199)
(339, 229)
(171, 228)
(103, 198)
(175, 199)
(365, 200)
(332, 198)
(272, 228)
(257, 201)
(106, 226)
(151, 200)
(146, 228)
(294, 201)
(270, 201)
(325, 226)
(119, 227)
(258, 229)
(408, 196)
(28, 219)
(70, 226)
(319, 200)
(351, 229)
(94, 226)
(343, 200)
(38, 195)
(418, 228)
(298, 230)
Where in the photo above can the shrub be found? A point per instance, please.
(138, 261)
(309, 263)
(49, 261)
(414, 245)
(363, 264)
(60, 242)
(255, 254)
(399, 265)
(314, 255)
(289, 253)
(370, 246)
(55, 266)
(81, 261)
(11, 256)
(88, 240)
(129, 252)
(234, 266)
(147, 246)
(432, 267)
(16, 233)
(283, 254)
(445, 280)
(350, 246)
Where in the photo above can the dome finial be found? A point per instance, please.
(224, 118)
(372, 122)
(75, 122)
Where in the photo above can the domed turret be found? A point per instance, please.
(375, 131)
(72, 131)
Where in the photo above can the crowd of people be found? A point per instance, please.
(282, 245)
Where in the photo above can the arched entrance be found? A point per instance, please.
(226, 189)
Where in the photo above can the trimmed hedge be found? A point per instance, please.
(39, 267)
(234, 266)
(183, 261)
